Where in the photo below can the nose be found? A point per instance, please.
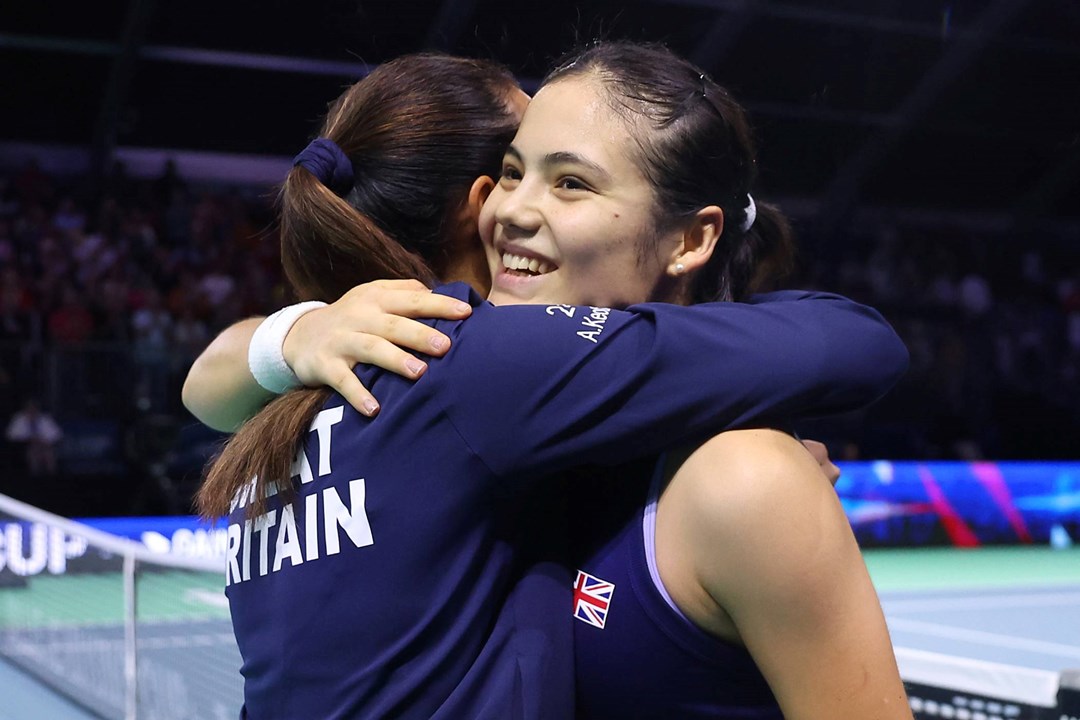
(519, 212)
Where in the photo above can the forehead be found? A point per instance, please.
(574, 115)
(517, 101)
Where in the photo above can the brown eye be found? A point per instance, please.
(572, 183)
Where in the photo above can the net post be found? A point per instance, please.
(131, 674)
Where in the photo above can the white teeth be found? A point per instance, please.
(519, 262)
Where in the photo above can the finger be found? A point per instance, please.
(354, 392)
(372, 293)
(402, 284)
(374, 350)
(818, 450)
(410, 335)
(425, 304)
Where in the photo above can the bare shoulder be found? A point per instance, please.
(760, 494)
(766, 539)
(740, 470)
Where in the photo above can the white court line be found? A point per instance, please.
(983, 638)
(1036, 687)
(1054, 599)
(42, 648)
(217, 599)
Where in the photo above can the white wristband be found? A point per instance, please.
(265, 358)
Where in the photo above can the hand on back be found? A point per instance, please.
(377, 324)
(820, 453)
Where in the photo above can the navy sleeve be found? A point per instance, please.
(535, 389)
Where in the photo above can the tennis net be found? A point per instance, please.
(942, 686)
(122, 631)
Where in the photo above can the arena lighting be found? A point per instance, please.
(252, 61)
(190, 56)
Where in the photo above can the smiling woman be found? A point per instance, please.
(727, 573)
(414, 569)
(571, 199)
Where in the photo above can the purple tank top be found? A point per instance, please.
(636, 654)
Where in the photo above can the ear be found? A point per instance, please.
(478, 195)
(467, 218)
(699, 240)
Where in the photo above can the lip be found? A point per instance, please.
(520, 286)
(511, 248)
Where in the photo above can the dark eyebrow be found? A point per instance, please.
(556, 158)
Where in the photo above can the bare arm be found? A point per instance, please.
(369, 324)
(219, 389)
(769, 557)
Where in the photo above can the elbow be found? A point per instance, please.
(890, 354)
(190, 398)
(899, 358)
(884, 360)
(196, 403)
(865, 365)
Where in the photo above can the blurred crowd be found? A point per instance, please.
(107, 294)
(150, 263)
(992, 322)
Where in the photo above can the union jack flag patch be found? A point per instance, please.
(592, 598)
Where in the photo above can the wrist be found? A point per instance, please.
(265, 357)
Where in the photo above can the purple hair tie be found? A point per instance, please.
(327, 162)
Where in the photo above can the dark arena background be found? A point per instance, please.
(928, 153)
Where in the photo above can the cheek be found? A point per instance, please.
(487, 219)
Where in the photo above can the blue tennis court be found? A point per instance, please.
(984, 634)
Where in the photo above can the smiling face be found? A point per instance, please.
(572, 217)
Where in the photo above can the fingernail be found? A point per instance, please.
(438, 342)
(415, 366)
(464, 307)
(371, 407)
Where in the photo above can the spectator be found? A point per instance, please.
(68, 218)
(152, 325)
(39, 434)
(71, 324)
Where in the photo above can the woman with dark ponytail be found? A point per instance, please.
(400, 565)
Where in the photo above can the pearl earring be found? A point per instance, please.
(679, 267)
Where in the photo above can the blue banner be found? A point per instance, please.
(962, 504)
(184, 535)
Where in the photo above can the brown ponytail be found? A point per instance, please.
(262, 449)
(418, 131)
(352, 248)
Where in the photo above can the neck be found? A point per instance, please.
(671, 290)
(468, 267)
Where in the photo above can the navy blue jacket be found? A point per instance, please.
(409, 579)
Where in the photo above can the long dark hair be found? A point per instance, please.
(418, 131)
(696, 149)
